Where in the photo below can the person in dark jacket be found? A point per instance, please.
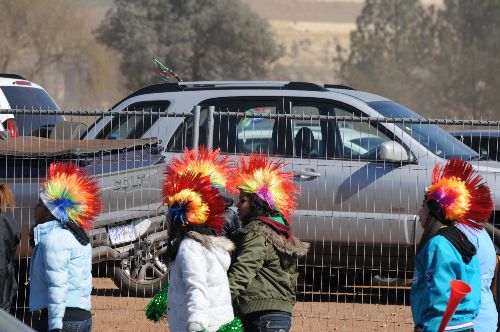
(9, 239)
(263, 275)
(231, 222)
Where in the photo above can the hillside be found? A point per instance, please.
(307, 10)
(307, 30)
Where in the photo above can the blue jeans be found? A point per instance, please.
(268, 321)
(77, 325)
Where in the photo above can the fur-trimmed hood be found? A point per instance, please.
(212, 241)
(217, 245)
(294, 247)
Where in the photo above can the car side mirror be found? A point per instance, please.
(393, 151)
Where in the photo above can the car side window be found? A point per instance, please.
(493, 148)
(253, 134)
(313, 138)
(245, 133)
(237, 134)
(133, 126)
(360, 140)
(183, 136)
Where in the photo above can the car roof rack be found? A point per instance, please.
(307, 86)
(157, 88)
(197, 85)
(231, 85)
(238, 84)
(209, 85)
(282, 85)
(218, 85)
(13, 76)
(338, 86)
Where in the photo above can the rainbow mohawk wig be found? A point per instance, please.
(460, 194)
(192, 200)
(71, 195)
(206, 162)
(261, 176)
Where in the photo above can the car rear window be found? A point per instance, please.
(35, 101)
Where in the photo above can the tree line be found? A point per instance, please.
(439, 61)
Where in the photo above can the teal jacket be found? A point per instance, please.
(436, 264)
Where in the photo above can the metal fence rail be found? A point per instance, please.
(361, 182)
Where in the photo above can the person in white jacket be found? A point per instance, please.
(199, 298)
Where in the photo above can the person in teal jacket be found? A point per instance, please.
(61, 263)
(456, 197)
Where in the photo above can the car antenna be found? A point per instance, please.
(165, 72)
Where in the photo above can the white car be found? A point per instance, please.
(17, 93)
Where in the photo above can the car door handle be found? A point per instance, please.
(307, 174)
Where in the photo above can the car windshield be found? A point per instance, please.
(36, 101)
(434, 138)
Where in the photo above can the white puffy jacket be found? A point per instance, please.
(198, 292)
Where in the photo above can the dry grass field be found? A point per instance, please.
(309, 49)
(314, 312)
(309, 32)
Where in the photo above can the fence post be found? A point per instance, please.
(210, 125)
(196, 126)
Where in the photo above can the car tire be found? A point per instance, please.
(139, 278)
(321, 279)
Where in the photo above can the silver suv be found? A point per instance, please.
(361, 179)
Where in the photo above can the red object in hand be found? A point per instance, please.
(458, 291)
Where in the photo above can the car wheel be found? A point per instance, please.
(142, 274)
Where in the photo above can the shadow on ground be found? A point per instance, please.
(369, 294)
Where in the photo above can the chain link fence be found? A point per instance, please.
(361, 183)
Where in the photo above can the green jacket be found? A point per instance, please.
(263, 275)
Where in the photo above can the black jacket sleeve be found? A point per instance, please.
(10, 235)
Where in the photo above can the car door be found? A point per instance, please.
(351, 204)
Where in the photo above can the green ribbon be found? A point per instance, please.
(233, 326)
(157, 307)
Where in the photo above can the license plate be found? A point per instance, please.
(121, 234)
(141, 227)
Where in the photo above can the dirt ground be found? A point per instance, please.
(352, 310)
